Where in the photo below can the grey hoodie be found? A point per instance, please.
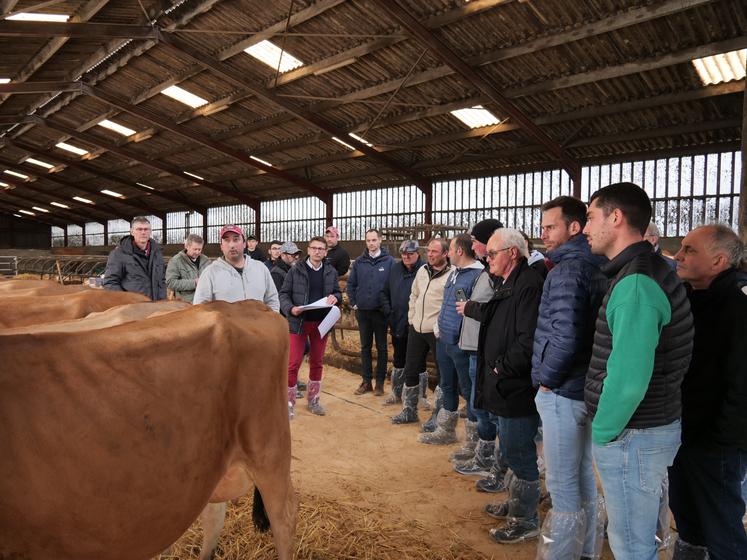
(221, 282)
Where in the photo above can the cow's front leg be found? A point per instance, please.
(212, 518)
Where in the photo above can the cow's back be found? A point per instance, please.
(114, 439)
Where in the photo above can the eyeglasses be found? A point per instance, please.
(317, 248)
(494, 254)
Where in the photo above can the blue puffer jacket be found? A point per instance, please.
(395, 297)
(449, 321)
(367, 278)
(571, 298)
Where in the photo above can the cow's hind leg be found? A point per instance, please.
(212, 518)
(281, 506)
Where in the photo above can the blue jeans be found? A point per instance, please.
(569, 471)
(485, 428)
(372, 323)
(453, 369)
(516, 442)
(705, 495)
(631, 469)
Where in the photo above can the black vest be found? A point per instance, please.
(662, 403)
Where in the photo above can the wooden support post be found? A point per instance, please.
(258, 222)
(105, 223)
(163, 230)
(576, 181)
(204, 227)
(64, 236)
(330, 211)
(83, 237)
(427, 189)
(743, 186)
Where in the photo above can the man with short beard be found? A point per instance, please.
(185, 268)
(233, 277)
(337, 256)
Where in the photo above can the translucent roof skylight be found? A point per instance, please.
(112, 193)
(40, 163)
(4, 80)
(118, 128)
(59, 204)
(475, 117)
(70, 148)
(28, 16)
(267, 163)
(348, 146)
(40, 209)
(16, 174)
(724, 67)
(27, 212)
(193, 175)
(183, 96)
(81, 199)
(272, 55)
(361, 140)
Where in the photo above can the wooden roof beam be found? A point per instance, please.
(61, 212)
(203, 140)
(229, 74)
(46, 29)
(155, 164)
(11, 208)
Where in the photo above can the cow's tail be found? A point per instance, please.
(259, 514)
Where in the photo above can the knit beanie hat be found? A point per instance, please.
(484, 229)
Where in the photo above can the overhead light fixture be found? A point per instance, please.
(81, 199)
(348, 146)
(476, 117)
(16, 174)
(118, 128)
(112, 193)
(59, 204)
(27, 212)
(183, 96)
(4, 184)
(263, 162)
(193, 175)
(272, 55)
(70, 148)
(28, 16)
(146, 186)
(17, 215)
(336, 66)
(4, 80)
(40, 209)
(361, 140)
(719, 68)
(40, 163)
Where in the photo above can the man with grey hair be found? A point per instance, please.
(705, 478)
(136, 264)
(652, 235)
(185, 268)
(504, 383)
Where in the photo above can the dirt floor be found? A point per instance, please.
(380, 490)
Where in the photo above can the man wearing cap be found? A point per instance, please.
(395, 298)
(233, 277)
(337, 256)
(306, 282)
(367, 278)
(252, 249)
(289, 254)
(136, 264)
(185, 268)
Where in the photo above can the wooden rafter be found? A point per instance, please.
(80, 30)
(90, 213)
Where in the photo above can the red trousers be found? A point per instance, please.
(317, 344)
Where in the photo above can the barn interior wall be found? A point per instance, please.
(17, 233)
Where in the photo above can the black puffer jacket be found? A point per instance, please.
(662, 403)
(714, 392)
(295, 291)
(128, 269)
(507, 325)
(395, 297)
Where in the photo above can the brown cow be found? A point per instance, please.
(17, 311)
(114, 439)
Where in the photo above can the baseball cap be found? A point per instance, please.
(333, 229)
(230, 228)
(251, 236)
(290, 248)
(484, 229)
(409, 246)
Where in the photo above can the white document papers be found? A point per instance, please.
(329, 321)
(318, 304)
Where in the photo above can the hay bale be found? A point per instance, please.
(327, 530)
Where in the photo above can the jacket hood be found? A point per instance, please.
(127, 244)
(577, 247)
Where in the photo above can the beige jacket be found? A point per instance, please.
(426, 298)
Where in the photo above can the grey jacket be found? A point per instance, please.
(129, 270)
(221, 282)
(181, 274)
(482, 292)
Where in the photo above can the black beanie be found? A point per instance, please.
(484, 229)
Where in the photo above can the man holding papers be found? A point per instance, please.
(305, 285)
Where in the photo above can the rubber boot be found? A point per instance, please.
(423, 401)
(315, 388)
(481, 462)
(398, 381)
(497, 481)
(687, 551)
(430, 424)
(499, 510)
(291, 402)
(409, 414)
(523, 519)
(467, 451)
(445, 432)
(562, 535)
